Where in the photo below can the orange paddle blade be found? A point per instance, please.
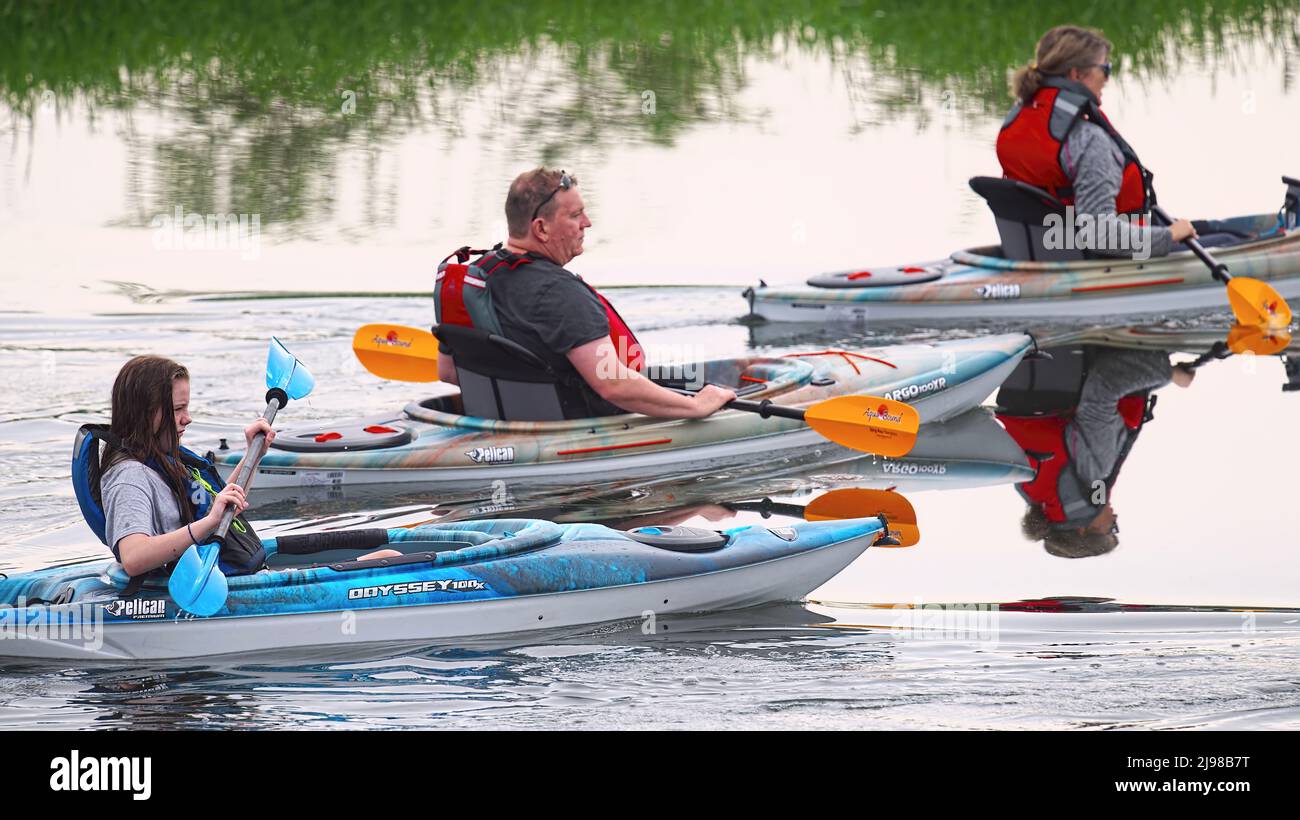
(1255, 303)
(1257, 340)
(397, 352)
(858, 503)
(867, 423)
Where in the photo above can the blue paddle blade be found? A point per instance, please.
(286, 372)
(197, 584)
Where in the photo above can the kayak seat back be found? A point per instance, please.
(1291, 205)
(1045, 386)
(1021, 212)
(500, 379)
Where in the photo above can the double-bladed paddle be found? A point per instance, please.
(1253, 302)
(1248, 339)
(837, 505)
(397, 352)
(197, 584)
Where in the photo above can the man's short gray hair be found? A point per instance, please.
(526, 192)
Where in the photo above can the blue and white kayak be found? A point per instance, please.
(432, 443)
(453, 581)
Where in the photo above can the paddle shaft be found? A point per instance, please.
(1217, 269)
(766, 507)
(764, 408)
(256, 450)
(1218, 351)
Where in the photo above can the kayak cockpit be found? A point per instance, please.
(1035, 226)
(753, 378)
(436, 545)
(1264, 231)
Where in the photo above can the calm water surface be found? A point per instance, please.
(716, 144)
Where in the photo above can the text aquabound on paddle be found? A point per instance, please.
(392, 340)
(882, 413)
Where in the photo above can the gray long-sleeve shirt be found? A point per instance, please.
(1096, 167)
(1096, 435)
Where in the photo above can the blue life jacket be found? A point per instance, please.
(242, 551)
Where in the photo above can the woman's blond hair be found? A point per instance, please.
(1059, 50)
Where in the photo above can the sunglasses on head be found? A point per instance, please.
(565, 184)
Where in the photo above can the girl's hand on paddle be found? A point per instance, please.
(710, 400)
(259, 425)
(230, 495)
(1182, 229)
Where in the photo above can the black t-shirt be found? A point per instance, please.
(550, 311)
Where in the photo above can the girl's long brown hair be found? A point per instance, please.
(141, 393)
(1060, 49)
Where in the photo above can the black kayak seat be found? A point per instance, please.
(1291, 205)
(1020, 211)
(500, 379)
(1047, 385)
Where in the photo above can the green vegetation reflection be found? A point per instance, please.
(260, 98)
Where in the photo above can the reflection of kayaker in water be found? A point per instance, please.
(1077, 416)
(1057, 138)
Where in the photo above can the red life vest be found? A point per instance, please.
(1031, 145)
(472, 308)
(1043, 440)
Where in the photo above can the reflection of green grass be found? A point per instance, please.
(255, 88)
(247, 55)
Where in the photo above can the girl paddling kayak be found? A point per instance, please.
(159, 498)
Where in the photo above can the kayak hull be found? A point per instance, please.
(798, 305)
(573, 587)
(941, 380)
(980, 283)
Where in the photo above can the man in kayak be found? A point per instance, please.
(1079, 451)
(550, 311)
(1057, 138)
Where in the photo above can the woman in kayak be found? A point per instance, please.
(156, 503)
(1057, 138)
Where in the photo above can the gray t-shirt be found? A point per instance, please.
(137, 500)
(547, 309)
(550, 311)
